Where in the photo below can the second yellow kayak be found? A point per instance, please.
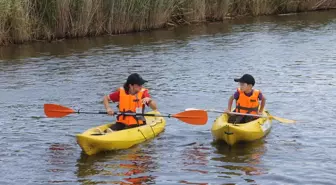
(244, 132)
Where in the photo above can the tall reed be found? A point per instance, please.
(25, 20)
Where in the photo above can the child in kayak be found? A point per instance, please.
(247, 100)
(132, 98)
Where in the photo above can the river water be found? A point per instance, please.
(292, 58)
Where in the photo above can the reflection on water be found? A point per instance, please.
(194, 160)
(58, 159)
(195, 157)
(240, 159)
(119, 167)
(128, 42)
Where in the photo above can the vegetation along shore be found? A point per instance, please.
(47, 20)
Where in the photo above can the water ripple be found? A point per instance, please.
(292, 58)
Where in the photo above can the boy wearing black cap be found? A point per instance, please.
(247, 100)
(131, 97)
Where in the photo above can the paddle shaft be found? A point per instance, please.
(125, 113)
(236, 113)
(283, 120)
(132, 114)
(194, 117)
(242, 114)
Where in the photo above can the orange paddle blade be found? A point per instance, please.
(56, 111)
(194, 117)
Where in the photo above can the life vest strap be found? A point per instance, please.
(249, 110)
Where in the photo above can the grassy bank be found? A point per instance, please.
(31, 20)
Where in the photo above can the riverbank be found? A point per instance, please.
(47, 20)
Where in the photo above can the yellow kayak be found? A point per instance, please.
(92, 142)
(243, 132)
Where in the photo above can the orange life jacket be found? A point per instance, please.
(247, 104)
(130, 103)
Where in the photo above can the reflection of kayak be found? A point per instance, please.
(244, 132)
(92, 142)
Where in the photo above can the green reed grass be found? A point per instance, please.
(29, 20)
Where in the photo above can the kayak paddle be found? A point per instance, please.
(283, 120)
(194, 117)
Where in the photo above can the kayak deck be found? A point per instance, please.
(93, 141)
(242, 132)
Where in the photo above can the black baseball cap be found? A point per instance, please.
(135, 78)
(246, 78)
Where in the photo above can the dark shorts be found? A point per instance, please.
(120, 126)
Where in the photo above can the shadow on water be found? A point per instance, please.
(241, 159)
(118, 167)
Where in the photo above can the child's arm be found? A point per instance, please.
(262, 105)
(230, 104)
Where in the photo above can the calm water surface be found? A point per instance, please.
(292, 58)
